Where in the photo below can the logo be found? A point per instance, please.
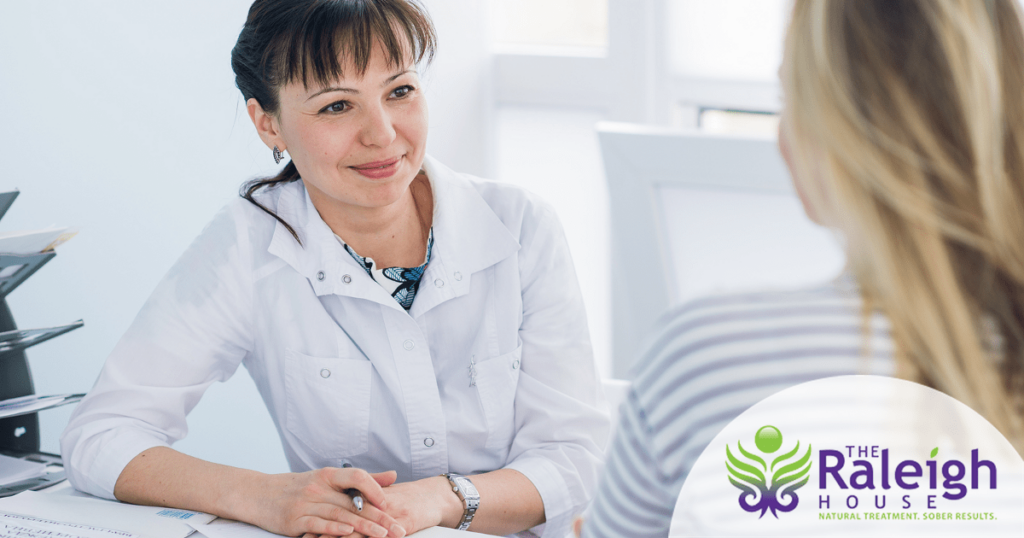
(767, 486)
(854, 456)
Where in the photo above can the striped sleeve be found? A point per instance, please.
(635, 497)
(709, 362)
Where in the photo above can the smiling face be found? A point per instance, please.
(358, 141)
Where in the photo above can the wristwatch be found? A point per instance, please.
(467, 494)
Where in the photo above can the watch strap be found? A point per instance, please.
(469, 496)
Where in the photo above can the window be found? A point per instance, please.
(643, 61)
(725, 39)
(719, 121)
(524, 24)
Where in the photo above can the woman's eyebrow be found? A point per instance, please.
(396, 75)
(332, 89)
(351, 90)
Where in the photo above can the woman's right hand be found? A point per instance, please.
(311, 504)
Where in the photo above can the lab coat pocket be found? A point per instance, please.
(496, 381)
(329, 403)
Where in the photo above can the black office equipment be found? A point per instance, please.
(19, 431)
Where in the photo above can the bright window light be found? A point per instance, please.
(738, 122)
(726, 39)
(546, 23)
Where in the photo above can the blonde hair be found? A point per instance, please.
(907, 121)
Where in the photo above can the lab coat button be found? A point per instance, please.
(458, 276)
(320, 276)
(429, 441)
(408, 345)
(439, 283)
(346, 279)
(515, 364)
(325, 373)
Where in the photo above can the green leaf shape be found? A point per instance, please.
(798, 485)
(756, 478)
(741, 475)
(786, 456)
(744, 482)
(780, 478)
(751, 456)
(743, 487)
(935, 452)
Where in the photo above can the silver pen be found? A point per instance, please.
(357, 497)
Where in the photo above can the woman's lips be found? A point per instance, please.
(378, 169)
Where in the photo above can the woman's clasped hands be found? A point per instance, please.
(312, 504)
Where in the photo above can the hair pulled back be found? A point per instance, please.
(309, 41)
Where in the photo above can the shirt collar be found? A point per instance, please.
(468, 237)
(467, 230)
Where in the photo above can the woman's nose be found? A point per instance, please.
(378, 129)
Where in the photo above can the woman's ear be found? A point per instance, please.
(797, 174)
(266, 125)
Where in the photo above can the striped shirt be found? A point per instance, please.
(711, 360)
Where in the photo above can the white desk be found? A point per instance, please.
(72, 500)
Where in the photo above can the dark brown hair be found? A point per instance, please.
(302, 40)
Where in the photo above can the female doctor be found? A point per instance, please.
(419, 325)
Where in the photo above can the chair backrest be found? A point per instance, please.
(694, 213)
(615, 393)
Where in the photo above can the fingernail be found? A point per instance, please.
(397, 531)
(378, 531)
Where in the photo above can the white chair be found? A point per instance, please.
(694, 213)
(615, 393)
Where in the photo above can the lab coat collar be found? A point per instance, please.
(468, 237)
(320, 258)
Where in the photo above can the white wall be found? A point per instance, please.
(459, 88)
(121, 117)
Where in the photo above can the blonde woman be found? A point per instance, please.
(904, 131)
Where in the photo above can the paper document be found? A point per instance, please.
(16, 526)
(22, 338)
(32, 403)
(34, 242)
(226, 528)
(139, 521)
(16, 469)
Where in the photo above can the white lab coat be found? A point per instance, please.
(347, 374)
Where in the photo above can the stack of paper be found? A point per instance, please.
(32, 403)
(15, 469)
(17, 526)
(34, 242)
(113, 518)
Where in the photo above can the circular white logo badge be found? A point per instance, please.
(855, 456)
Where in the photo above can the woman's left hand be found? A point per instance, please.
(424, 503)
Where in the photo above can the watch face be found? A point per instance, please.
(467, 487)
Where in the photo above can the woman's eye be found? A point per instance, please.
(335, 108)
(401, 91)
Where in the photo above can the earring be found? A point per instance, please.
(277, 155)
